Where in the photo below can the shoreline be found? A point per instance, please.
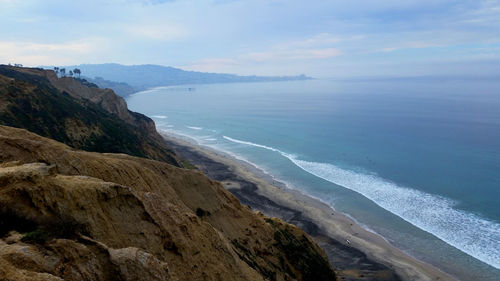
(355, 252)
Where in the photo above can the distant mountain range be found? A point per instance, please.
(141, 77)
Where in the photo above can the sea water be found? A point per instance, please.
(415, 160)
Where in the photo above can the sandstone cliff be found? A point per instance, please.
(73, 215)
(83, 117)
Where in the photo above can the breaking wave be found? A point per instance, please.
(465, 231)
(194, 128)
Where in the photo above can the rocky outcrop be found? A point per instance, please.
(83, 117)
(105, 98)
(73, 215)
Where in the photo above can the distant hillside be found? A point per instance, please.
(147, 76)
(80, 115)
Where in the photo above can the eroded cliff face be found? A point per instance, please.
(67, 214)
(83, 117)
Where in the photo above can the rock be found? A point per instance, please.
(135, 264)
(92, 216)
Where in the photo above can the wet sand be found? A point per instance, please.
(355, 253)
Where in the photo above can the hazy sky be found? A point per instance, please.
(319, 38)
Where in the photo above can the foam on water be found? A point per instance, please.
(159, 116)
(186, 137)
(194, 128)
(253, 144)
(467, 232)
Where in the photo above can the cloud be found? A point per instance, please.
(34, 53)
(292, 54)
(156, 1)
(277, 36)
(410, 45)
(487, 13)
(319, 39)
(9, 1)
(158, 31)
(307, 50)
(319, 46)
(215, 65)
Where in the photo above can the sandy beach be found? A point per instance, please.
(356, 253)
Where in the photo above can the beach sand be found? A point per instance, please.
(355, 253)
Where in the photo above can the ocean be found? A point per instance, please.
(415, 160)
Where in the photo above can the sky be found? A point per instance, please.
(320, 38)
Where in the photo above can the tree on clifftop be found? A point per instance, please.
(77, 71)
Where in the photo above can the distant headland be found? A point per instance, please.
(127, 79)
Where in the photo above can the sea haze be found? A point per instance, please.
(417, 161)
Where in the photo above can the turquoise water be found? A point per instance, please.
(416, 161)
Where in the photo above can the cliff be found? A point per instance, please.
(69, 214)
(76, 215)
(83, 117)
